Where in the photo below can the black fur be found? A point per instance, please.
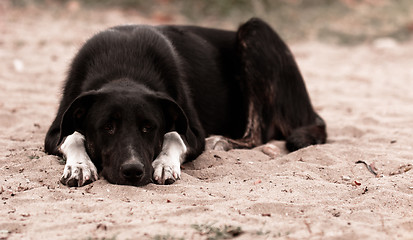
(244, 85)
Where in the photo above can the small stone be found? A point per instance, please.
(385, 43)
(18, 65)
(346, 178)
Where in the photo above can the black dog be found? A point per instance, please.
(140, 100)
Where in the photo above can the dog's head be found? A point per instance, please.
(124, 128)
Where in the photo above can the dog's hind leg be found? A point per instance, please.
(279, 105)
(79, 169)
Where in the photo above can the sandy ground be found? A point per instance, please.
(364, 93)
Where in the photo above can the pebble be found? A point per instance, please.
(4, 234)
(346, 178)
(18, 65)
(385, 43)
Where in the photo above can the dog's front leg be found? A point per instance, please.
(79, 169)
(167, 166)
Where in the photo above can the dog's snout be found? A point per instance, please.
(132, 171)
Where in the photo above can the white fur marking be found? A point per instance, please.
(133, 156)
(167, 166)
(78, 164)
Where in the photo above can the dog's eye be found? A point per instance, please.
(109, 128)
(146, 129)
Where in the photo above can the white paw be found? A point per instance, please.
(167, 166)
(79, 173)
(79, 169)
(166, 170)
(216, 142)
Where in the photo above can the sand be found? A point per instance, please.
(364, 93)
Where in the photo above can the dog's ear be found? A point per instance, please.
(75, 114)
(175, 117)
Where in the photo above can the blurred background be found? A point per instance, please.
(348, 22)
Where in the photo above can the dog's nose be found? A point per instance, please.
(132, 171)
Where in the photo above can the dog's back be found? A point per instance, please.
(200, 73)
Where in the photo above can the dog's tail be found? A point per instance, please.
(307, 135)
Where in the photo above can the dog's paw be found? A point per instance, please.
(217, 143)
(271, 150)
(79, 173)
(166, 171)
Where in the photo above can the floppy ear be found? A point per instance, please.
(175, 117)
(75, 114)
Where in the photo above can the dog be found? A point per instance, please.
(140, 100)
